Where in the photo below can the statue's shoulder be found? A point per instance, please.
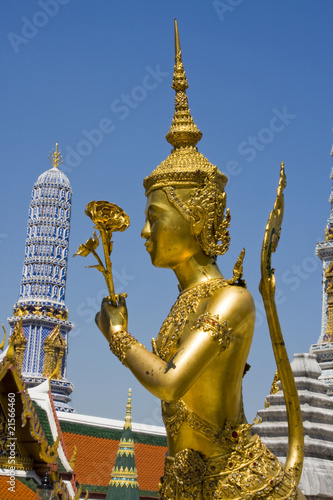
(232, 298)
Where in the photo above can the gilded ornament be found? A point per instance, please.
(55, 157)
(247, 473)
(88, 247)
(17, 343)
(275, 388)
(328, 232)
(107, 218)
(2, 345)
(72, 460)
(295, 455)
(188, 468)
(328, 337)
(218, 329)
(237, 277)
(54, 349)
(120, 343)
(168, 340)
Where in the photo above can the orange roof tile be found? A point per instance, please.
(22, 492)
(149, 461)
(96, 457)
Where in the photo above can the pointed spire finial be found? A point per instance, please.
(128, 417)
(177, 42)
(55, 157)
(183, 131)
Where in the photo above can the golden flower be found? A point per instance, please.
(107, 216)
(87, 247)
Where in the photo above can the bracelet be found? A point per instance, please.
(120, 343)
(217, 329)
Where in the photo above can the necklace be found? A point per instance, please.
(168, 339)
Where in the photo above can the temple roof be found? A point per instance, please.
(21, 490)
(39, 445)
(97, 444)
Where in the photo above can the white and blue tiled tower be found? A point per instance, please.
(40, 323)
(324, 347)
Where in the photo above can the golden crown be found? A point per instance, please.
(185, 167)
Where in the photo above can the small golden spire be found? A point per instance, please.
(55, 157)
(183, 131)
(128, 417)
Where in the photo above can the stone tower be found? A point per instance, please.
(324, 347)
(40, 326)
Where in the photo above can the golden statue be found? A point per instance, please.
(199, 356)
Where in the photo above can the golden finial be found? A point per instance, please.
(183, 131)
(2, 345)
(128, 417)
(79, 492)
(55, 157)
(54, 374)
(73, 458)
(11, 347)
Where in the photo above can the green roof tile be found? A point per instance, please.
(107, 433)
(44, 421)
(29, 483)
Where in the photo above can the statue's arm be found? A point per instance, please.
(225, 326)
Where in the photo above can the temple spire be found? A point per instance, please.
(42, 347)
(324, 250)
(323, 349)
(124, 484)
(183, 131)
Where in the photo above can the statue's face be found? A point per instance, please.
(169, 239)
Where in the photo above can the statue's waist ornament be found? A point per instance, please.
(249, 472)
(246, 469)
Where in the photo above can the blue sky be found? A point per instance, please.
(96, 76)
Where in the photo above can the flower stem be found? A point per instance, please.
(108, 273)
(98, 258)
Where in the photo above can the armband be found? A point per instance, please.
(121, 342)
(217, 329)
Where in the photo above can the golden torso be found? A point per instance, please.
(216, 395)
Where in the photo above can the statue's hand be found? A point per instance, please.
(111, 319)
